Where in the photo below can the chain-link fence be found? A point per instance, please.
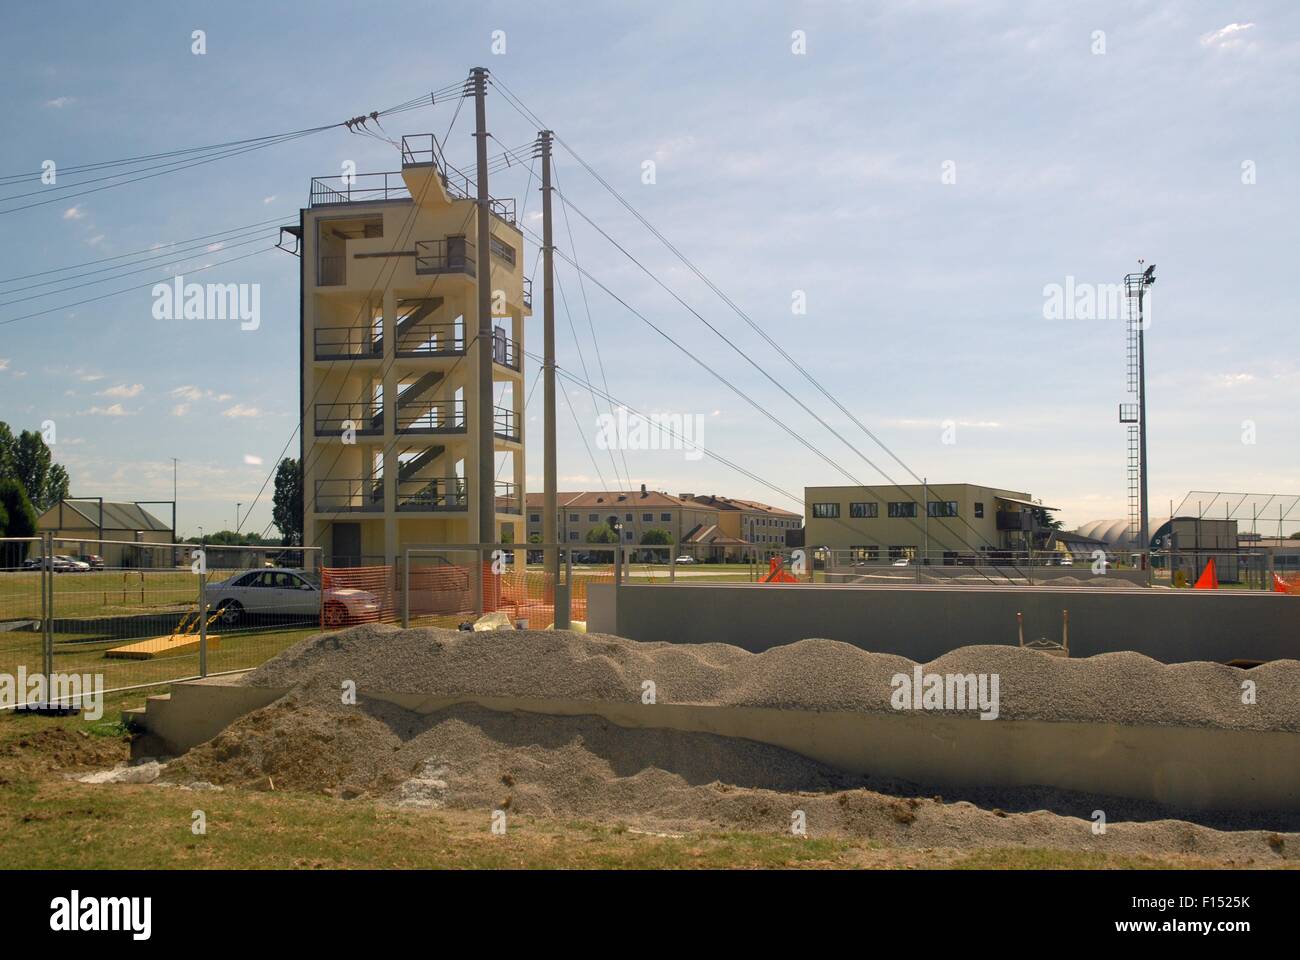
(137, 614)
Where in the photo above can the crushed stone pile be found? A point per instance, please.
(468, 757)
(1125, 687)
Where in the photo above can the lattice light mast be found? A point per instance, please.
(1135, 414)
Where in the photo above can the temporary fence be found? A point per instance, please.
(128, 614)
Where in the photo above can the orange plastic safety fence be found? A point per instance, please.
(351, 595)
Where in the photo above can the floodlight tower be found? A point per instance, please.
(1135, 414)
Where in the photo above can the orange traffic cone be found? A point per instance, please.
(1208, 579)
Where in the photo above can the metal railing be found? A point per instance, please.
(363, 418)
(435, 496)
(504, 423)
(452, 255)
(528, 292)
(504, 350)
(344, 343)
(508, 499)
(432, 416)
(431, 339)
(349, 495)
(331, 271)
(358, 188)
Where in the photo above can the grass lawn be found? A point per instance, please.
(48, 821)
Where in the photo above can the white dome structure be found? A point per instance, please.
(1114, 533)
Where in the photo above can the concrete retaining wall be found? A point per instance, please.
(924, 622)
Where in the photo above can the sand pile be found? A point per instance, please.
(1125, 687)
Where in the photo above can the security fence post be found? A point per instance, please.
(203, 616)
(406, 590)
(47, 611)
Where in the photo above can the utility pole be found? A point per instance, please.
(486, 482)
(550, 504)
(1135, 287)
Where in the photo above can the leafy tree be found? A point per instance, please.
(58, 486)
(534, 538)
(32, 464)
(1043, 519)
(656, 536)
(8, 446)
(19, 521)
(286, 505)
(602, 534)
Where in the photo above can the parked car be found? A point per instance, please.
(289, 593)
(58, 563)
(1067, 561)
(95, 561)
(684, 558)
(901, 562)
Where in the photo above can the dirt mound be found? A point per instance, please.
(467, 757)
(1125, 688)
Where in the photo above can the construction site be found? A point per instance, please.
(480, 638)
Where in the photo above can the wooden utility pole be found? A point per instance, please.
(550, 502)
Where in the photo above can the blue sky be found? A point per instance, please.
(776, 172)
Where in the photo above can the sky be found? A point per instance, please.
(888, 191)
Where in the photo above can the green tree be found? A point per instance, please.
(602, 534)
(8, 446)
(286, 505)
(32, 464)
(19, 521)
(657, 537)
(58, 485)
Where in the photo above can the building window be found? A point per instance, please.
(826, 511)
(534, 518)
(902, 553)
(979, 510)
(628, 536)
(864, 510)
(503, 250)
(647, 518)
(593, 518)
(864, 552)
(573, 534)
(902, 509)
(573, 518)
(941, 508)
(627, 517)
(666, 517)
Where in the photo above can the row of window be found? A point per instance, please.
(598, 518)
(898, 509)
(871, 551)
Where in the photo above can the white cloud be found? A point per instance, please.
(214, 247)
(252, 460)
(59, 103)
(1229, 380)
(180, 410)
(269, 199)
(1226, 38)
(96, 240)
(4, 363)
(123, 390)
(240, 410)
(73, 213)
(113, 410)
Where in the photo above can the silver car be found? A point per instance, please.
(294, 594)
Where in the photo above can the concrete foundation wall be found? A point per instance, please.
(924, 622)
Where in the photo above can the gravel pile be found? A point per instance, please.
(470, 758)
(1125, 687)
